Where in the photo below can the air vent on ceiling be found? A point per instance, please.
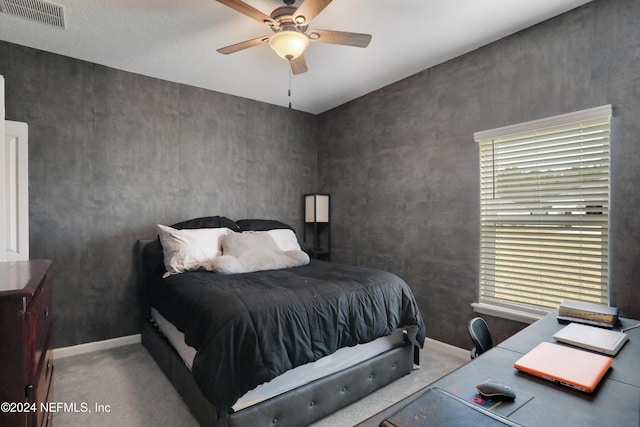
(41, 11)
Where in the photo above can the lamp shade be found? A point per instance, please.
(289, 44)
(316, 208)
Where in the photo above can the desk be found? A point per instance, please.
(616, 401)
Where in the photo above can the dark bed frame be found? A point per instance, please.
(299, 407)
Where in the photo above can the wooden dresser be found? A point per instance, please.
(26, 357)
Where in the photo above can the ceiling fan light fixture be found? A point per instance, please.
(289, 44)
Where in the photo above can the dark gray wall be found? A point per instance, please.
(402, 167)
(113, 153)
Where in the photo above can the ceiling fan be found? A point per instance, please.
(291, 34)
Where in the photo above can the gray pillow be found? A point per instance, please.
(255, 251)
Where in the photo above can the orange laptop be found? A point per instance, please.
(568, 366)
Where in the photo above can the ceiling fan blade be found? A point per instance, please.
(243, 45)
(339, 37)
(247, 10)
(308, 10)
(299, 65)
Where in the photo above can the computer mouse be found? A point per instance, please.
(496, 390)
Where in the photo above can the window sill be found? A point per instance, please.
(506, 313)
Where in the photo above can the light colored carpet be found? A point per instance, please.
(124, 387)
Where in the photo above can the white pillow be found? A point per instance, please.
(285, 239)
(257, 251)
(190, 249)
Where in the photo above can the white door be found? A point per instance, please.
(3, 238)
(16, 191)
(14, 187)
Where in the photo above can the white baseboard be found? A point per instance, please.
(452, 350)
(59, 353)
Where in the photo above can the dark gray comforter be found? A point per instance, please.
(249, 328)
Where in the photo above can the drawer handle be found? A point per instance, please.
(46, 312)
(28, 392)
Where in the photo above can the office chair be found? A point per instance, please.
(480, 335)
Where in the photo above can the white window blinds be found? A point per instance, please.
(544, 211)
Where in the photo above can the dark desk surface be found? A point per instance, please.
(625, 366)
(616, 401)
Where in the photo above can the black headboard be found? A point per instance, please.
(142, 275)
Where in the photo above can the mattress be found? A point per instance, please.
(341, 359)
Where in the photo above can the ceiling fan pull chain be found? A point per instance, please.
(289, 93)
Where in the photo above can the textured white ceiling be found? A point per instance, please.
(177, 41)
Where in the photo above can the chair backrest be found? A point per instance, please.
(480, 335)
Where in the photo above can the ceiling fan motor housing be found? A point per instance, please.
(283, 16)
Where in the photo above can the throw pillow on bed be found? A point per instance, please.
(190, 249)
(285, 239)
(259, 250)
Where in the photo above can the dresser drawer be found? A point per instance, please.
(40, 321)
(44, 384)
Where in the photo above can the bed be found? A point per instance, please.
(257, 332)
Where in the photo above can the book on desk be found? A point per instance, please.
(587, 313)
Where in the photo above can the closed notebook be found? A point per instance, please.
(597, 339)
(568, 366)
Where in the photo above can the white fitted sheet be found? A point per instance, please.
(341, 359)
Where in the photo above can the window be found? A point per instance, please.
(544, 212)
